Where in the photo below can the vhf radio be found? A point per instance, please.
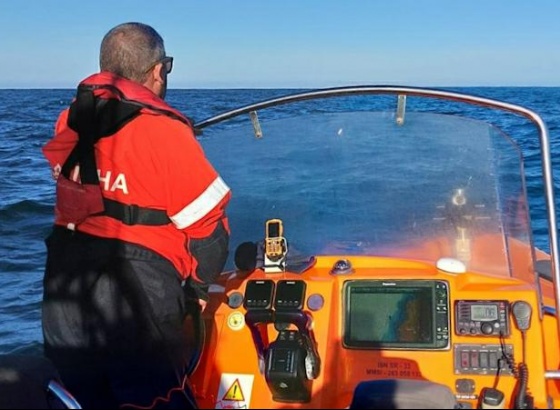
(482, 318)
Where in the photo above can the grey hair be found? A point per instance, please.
(130, 49)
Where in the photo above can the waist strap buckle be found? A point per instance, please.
(130, 214)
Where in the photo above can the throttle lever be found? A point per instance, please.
(295, 317)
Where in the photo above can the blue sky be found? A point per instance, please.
(293, 43)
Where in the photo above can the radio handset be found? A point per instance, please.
(521, 311)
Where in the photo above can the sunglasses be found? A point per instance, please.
(167, 64)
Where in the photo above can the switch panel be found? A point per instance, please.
(482, 359)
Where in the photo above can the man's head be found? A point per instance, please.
(136, 51)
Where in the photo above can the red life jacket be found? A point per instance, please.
(99, 110)
(168, 178)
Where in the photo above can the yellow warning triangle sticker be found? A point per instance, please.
(234, 393)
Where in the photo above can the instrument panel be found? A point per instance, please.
(436, 327)
(409, 315)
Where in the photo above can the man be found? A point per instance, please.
(140, 230)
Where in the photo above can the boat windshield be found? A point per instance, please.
(362, 183)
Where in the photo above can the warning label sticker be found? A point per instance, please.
(235, 391)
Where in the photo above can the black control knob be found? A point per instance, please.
(486, 328)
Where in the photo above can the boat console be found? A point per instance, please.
(278, 333)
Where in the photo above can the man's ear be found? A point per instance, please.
(157, 73)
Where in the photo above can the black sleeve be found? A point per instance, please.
(211, 254)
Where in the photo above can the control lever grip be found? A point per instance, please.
(295, 317)
(312, 360)
(259, 316)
